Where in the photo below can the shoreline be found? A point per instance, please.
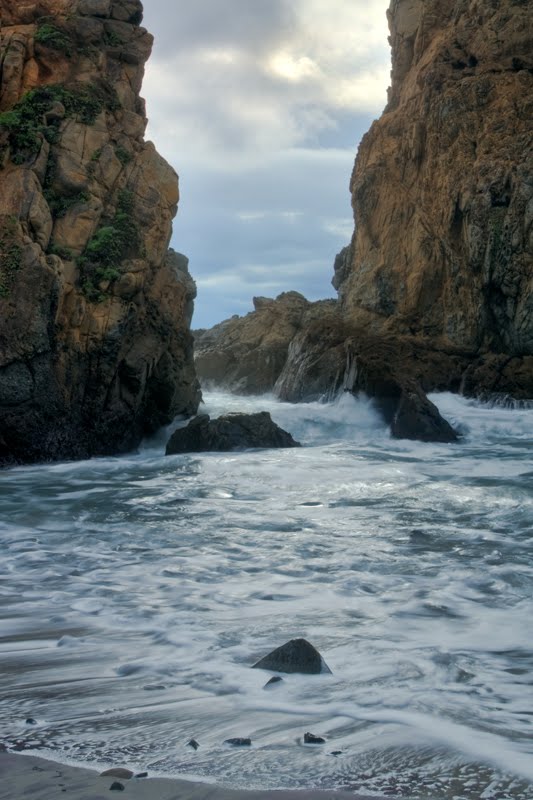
(35, 778)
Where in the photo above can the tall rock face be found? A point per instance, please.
(436, 287)
(442, 188)
(95, 348)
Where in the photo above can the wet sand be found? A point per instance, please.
(29, 778)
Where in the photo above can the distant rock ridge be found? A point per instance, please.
(95, 347)
(436, 286)
(249, 355)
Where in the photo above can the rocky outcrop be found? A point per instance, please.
(418, 418)
(442, 188)
(295, 656)
(247, 354)
(271, 349)
(436, 287)
(95, 349)
(234, 431)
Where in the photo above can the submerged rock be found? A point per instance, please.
(310, 738)
(275, 681)
(193, 743)
(117, 772)
(238, 742)
(229, 432)
(297, 655)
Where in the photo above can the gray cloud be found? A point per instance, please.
(260, 104)
(248, 24)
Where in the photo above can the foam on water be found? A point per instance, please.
(136, 592)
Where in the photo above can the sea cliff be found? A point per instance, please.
(435, 288)
(95, 348)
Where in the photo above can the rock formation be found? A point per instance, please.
(295, 656)
(247, 354)
(442, 189)
(95, 349)
(234, 431)
(436, 287)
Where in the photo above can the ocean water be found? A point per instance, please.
(136, 592)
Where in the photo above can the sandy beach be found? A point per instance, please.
(24, 776)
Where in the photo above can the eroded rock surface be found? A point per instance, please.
(442, 188)
(230, 432)
(95, 349)
(247, 354)
(435, 289)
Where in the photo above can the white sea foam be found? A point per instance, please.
(136, 593)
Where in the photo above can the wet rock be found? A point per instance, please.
(310, 738)
(418, 418)
(31, 721)
(141, 775)
(273, 682)
(336, 753)
(116, 787)
(117, 772)
(297, 655)
(238, 742)
(230, 432)
(193, 743)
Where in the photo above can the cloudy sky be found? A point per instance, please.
(260, 105)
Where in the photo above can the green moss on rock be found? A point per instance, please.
(10, 254)
(26, 122)
(110, 245)
(49, 35)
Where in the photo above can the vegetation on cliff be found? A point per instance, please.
(94, 314)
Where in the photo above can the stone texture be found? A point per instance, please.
(247, 354)
(416, 417)
(230, 432)
(91, 359)
(297, 655)
(442, 188)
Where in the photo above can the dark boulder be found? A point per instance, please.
(310, 738)
(230, 432)
(298, 655)
(239, 742)
(418, 418)
(117, 772)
